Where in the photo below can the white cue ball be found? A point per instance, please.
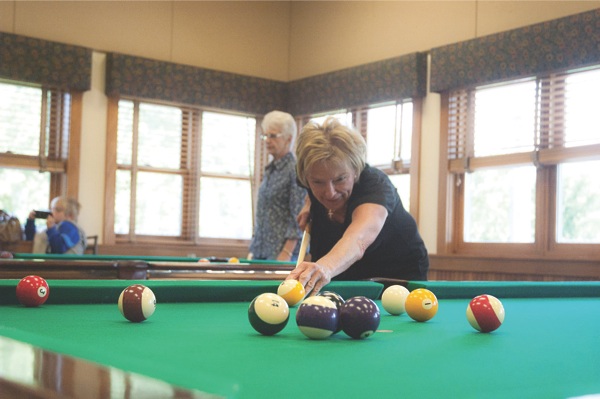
(394, 298)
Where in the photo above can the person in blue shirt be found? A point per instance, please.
(280, 198)
(62, 234)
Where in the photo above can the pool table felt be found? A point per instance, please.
(547, 347)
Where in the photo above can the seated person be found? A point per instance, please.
(62, 235)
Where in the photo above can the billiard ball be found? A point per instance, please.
(393, 299)
(137, 303)
(338, 300)
(203, 260)
(360, 317)
(32, 291)
(233, 260)
(6, 255)
(268, 313)
(292, 291)
(421, 304)
(317, 317)
(485, 313)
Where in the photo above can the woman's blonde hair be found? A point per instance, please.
(332, 142)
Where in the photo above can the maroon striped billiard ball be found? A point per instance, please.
(485, 313)
(137, 302)
(32, 291)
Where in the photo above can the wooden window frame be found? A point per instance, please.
(190, 170)
(451, 200)
(63, 151)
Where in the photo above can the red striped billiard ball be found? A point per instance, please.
(32, 291)
(137, 302)
(485, 313)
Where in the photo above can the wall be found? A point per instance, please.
(278, 40)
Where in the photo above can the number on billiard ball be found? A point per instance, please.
(393, 299)
(485, 313)
(317, 317)
(421, 304)
(268, 313)
(32, 291)
(360, 317)
(137, 302)
(292, 291)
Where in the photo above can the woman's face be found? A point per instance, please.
(331, 184)
(277, 144)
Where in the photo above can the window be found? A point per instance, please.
(35, 155)
(388, 131)
(524, 156)
(182, 173)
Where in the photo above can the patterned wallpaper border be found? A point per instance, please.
(140, 77)
(387, 80)
(555, 45)
(44, 62)
(550, 46)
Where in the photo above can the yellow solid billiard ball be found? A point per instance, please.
(292, 291)
(421, 304)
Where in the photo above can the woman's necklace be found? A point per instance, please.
(330, 214)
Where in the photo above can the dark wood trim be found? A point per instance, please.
(455, 267)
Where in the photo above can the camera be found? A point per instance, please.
(42, 214)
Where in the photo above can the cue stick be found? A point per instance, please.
(303, 244)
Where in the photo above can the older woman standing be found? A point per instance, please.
(280, 198)
(359, 228)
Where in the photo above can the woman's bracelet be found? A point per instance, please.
(287, 252)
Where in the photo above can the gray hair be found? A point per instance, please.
(281, 121)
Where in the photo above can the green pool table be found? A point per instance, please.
(199, 343)
(52, 266)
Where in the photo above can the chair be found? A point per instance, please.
(92, 245)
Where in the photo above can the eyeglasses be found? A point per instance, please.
(271, 136)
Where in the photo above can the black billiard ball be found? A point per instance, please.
(360, 317)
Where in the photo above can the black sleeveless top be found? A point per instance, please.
(397, 252)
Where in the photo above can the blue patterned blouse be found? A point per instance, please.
(280, 199)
